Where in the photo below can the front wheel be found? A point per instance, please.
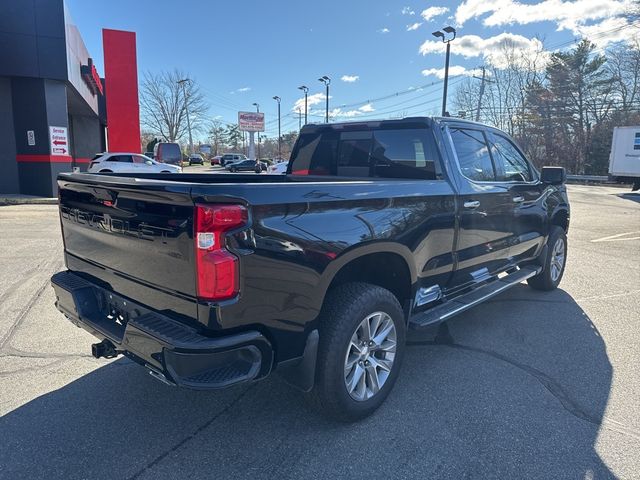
(554, 263)
(362, 342)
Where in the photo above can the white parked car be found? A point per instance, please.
(129, 163)
(279, 168)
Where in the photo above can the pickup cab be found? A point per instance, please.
(211, 280)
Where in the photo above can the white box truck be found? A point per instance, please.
(624, 161)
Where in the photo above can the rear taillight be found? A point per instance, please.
(216, 267)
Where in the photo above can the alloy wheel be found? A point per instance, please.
(370, 356)
(557, 259)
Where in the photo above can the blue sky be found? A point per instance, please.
(249, 51)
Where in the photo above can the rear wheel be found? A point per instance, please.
(233, 170)
(554, 263)
(362, 341)
(165, 171)
(105, 171)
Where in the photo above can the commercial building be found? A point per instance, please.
(53, 102)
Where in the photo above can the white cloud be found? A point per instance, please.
(384, 30)
(314, 99)
(454, 71)
(572, 15)
(407, 11)
(495, 50)
(609, 31)
(240, 90)
(340, 113)
(350, 78)
(413, 26)
(432, 12)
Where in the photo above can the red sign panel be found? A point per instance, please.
(121, 90)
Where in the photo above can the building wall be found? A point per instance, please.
(38, 104)
(9, 182)
(32, 35)
(87, 139)
(78, 55)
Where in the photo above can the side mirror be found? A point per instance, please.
(553, 175)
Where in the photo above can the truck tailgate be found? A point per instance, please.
(140, 230)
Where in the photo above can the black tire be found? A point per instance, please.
(165, 171)
(105, 171)
(548, 280)
(257, 170)
(233, 170)
(343, 311)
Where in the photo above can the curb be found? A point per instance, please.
(22, 200)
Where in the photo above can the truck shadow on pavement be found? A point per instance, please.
(519, 390)
(634, 196)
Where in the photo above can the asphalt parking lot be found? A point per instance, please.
(534, 385)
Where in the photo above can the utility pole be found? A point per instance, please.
(305, 89)
(481, 94)
(186, 106)
(327, 81)
(439, 34)
(277, 99)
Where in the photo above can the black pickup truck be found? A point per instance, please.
(210, 280)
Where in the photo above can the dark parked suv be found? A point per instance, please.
(377, 227)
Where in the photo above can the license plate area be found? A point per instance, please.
(113, 313)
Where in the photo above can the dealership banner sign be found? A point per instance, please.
(251, 121)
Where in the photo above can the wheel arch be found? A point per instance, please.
(560, 217)
(388, 265)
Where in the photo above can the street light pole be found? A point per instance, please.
(186, 106)
(441, 35)
(327, 81)
(277, 99)
(299, 119)
(305, 89)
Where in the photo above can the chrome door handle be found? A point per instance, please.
(518, 199)
(472, 204)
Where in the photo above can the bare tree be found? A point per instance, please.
(164, 104)
(217, 136)
(623, 64)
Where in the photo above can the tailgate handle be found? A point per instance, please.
(472, 204)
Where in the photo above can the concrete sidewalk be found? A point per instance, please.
(17, 199)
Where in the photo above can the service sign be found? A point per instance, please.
(59, 140)
(251, 121)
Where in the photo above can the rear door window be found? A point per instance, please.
(404, 153)
(473, 154)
